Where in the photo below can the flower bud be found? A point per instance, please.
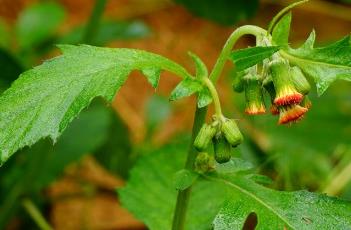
(291, 113)
(204, 162)
(286, 93)
(300, 82)
(231, 132)
(204, 136)
(269, 87)
(253, 94)
(306, 102)
(222, 149)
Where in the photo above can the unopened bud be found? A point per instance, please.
(300, 81)
(222, 149)
(204, 162)
(253, 95)
(204, 137)
(286, 93)
(231, 132)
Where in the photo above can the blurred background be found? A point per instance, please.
(73, 184)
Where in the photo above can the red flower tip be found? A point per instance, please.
(288, 99)
(274, 110)
(291, 113)
(255, 109)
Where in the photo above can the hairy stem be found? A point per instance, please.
(200, 115)
(92, 26)
(35, 214)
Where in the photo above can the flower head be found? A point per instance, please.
(291, 113)
(286, 93)
(253, 94)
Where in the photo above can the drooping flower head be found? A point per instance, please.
(291, 113)
(253, 95)
(286, 93)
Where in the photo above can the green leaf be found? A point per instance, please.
(150, 194)
(185, 88)
(201, 69)
(44, 100)
(233, 166)
(245, 58)
(109, 31)
(152, 75)
(280, 210)
(280, 33)
(225, 12)
(184, 178)
(324, 64)
(38, 22)
(204, 98)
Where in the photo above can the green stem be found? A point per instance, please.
(94, 21)
(184, 195)
(38, 218)
(233, 38)
(199, 119)
(215, 97)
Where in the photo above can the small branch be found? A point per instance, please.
(35, 214)
(233, 38)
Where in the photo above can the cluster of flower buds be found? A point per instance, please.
(223, 133)
(286, 86)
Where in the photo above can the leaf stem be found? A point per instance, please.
(35, 214)
(215, 97)
(233, 38)
(92, 26)
(200, 115)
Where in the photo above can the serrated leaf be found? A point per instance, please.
(324, 64)
(37, 22)
(152, 75)
(280, 210)
(184, 178)
(185, 88)
(245, 58)
(44, 100)
(150, 194)
(280, 33)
